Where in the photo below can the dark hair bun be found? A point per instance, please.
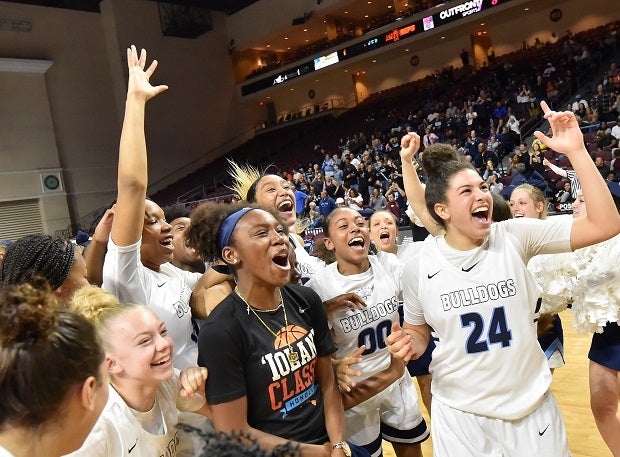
(28, 314)
(436, 156)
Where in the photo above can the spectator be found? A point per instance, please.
(495, 185)
(602, 168)
(314, 218)
(564, 194)
(514, 129)
(300, 201)
(500, 110)
(615, 130)
(317, 183)
(338, 173)
(326, 205)
(429, 138)
(472, 144)
(536, 157)
(484, 156)
(328, 165)
(471, 118)
(489, 170)
(524, 98)
(393, 207)
(601, 101)
(377, 200)
(614, 165)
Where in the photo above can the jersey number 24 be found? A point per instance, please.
(498, 331)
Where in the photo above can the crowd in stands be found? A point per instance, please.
(485, 115)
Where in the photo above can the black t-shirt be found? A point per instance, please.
(243, 359)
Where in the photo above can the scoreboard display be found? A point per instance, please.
(407, 30)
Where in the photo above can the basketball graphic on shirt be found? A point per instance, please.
(288, 335)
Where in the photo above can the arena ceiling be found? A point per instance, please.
(226, 6)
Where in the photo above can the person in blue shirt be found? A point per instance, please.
(300, 201)
(326, 205)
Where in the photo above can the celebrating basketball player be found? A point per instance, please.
(490, 378)
(267, 345)
(392, 414)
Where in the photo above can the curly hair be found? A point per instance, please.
(205, 223)
(45, 351)
(204, 227)
(238, 445)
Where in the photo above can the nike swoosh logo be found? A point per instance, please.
(432, 275)
(467, 270)
(159, 285)
(543, 432)
(135, 444)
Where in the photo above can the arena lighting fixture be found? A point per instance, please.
(402, 30)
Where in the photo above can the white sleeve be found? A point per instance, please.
(191, 278)
(536, 236)
(414, 314)
(122, 273)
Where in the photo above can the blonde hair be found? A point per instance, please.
(245, 179)
(101, 308)
(537, 196)
(244, 176)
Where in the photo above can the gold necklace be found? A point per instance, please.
(293, 356)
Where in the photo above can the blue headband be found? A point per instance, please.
(227, 227)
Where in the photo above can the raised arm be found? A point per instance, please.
(414, 190)
(94, 254)
(603, 220)
(554, 168)
(132, 164)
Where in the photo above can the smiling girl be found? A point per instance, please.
(137, 266)
(490, 378)
(146, 393)
(392, 414)
(267, 345)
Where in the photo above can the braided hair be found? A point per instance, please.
(37, 255)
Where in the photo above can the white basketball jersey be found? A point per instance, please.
(483, 306)
(380, 288)
(166, 292)
(118, 432)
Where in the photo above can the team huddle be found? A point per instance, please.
(321, 354)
